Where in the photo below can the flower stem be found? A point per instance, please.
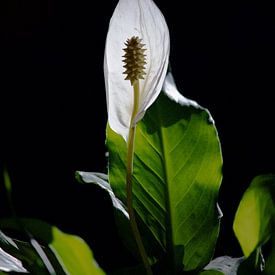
(129, 185)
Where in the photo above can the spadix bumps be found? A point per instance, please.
(134, 59)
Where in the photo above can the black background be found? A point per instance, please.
(53, 108)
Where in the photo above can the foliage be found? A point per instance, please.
(177, 174)
(164, 174)
(62, 253)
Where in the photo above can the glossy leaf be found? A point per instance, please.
(225, 264)
(6, 241)
(177, 174)
(8, 263)
(8, 260)
(253, 220)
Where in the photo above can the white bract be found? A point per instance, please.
(143, 19)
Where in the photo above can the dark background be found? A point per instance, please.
(53, 110)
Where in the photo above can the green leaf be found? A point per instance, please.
(72, 252)
(177, 174)
(256, 211)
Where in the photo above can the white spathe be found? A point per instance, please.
(140, 18)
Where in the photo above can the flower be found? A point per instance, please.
(142, 20)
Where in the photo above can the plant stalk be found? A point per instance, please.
(129, 185)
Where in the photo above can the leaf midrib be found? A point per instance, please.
(169, 231)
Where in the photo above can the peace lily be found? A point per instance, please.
(141, 20)
(135, 65)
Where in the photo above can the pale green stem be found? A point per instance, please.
(129, 187)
